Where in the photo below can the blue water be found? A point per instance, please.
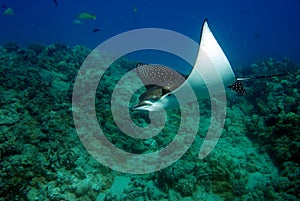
(42, 157)
(247, 30)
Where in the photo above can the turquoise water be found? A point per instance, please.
(43, 157)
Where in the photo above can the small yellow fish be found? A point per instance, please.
(86, 16)
(8, 12)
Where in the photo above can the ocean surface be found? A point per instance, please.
(67, 127)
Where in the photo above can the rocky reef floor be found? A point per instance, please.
(42, 157)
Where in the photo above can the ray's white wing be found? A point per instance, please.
(211, 70)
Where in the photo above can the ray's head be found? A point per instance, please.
(155, 99)
(159, 81)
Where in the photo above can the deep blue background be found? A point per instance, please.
(247, 30)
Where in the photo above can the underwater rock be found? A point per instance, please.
(139, 147)
(82, 188)
(37, 48)
(10, 145)
(175, 176)
(119, 185)
(186, 186)
(79, 172)
(9, 116)
(11, 47)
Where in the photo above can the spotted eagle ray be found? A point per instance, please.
(167, 81)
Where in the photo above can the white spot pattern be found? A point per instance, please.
(161, 75)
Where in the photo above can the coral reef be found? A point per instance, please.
(275, 119)
(42, 157)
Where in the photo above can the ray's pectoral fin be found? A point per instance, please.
(211, 71)
(153, 75)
